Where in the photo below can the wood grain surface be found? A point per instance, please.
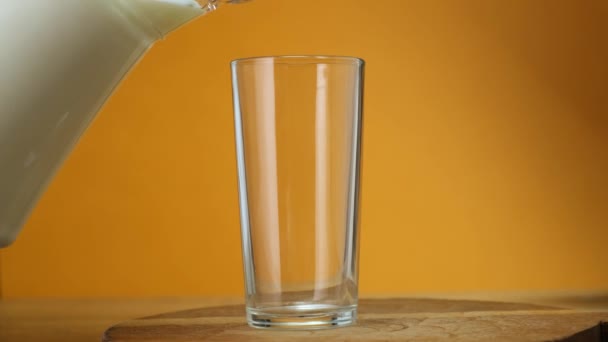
(397, 319)
(83, 319)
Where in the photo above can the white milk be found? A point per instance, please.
(59, 62)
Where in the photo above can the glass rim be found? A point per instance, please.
(300, 59)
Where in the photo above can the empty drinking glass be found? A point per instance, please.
(298, 123)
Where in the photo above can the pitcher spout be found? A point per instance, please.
(166, 16)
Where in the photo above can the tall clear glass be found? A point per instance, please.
(298, 123)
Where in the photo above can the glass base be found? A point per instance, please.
(302, 317)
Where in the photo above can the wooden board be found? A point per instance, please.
(379, 320)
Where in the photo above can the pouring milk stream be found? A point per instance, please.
(60, 62)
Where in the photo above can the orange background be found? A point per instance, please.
(485, 154)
